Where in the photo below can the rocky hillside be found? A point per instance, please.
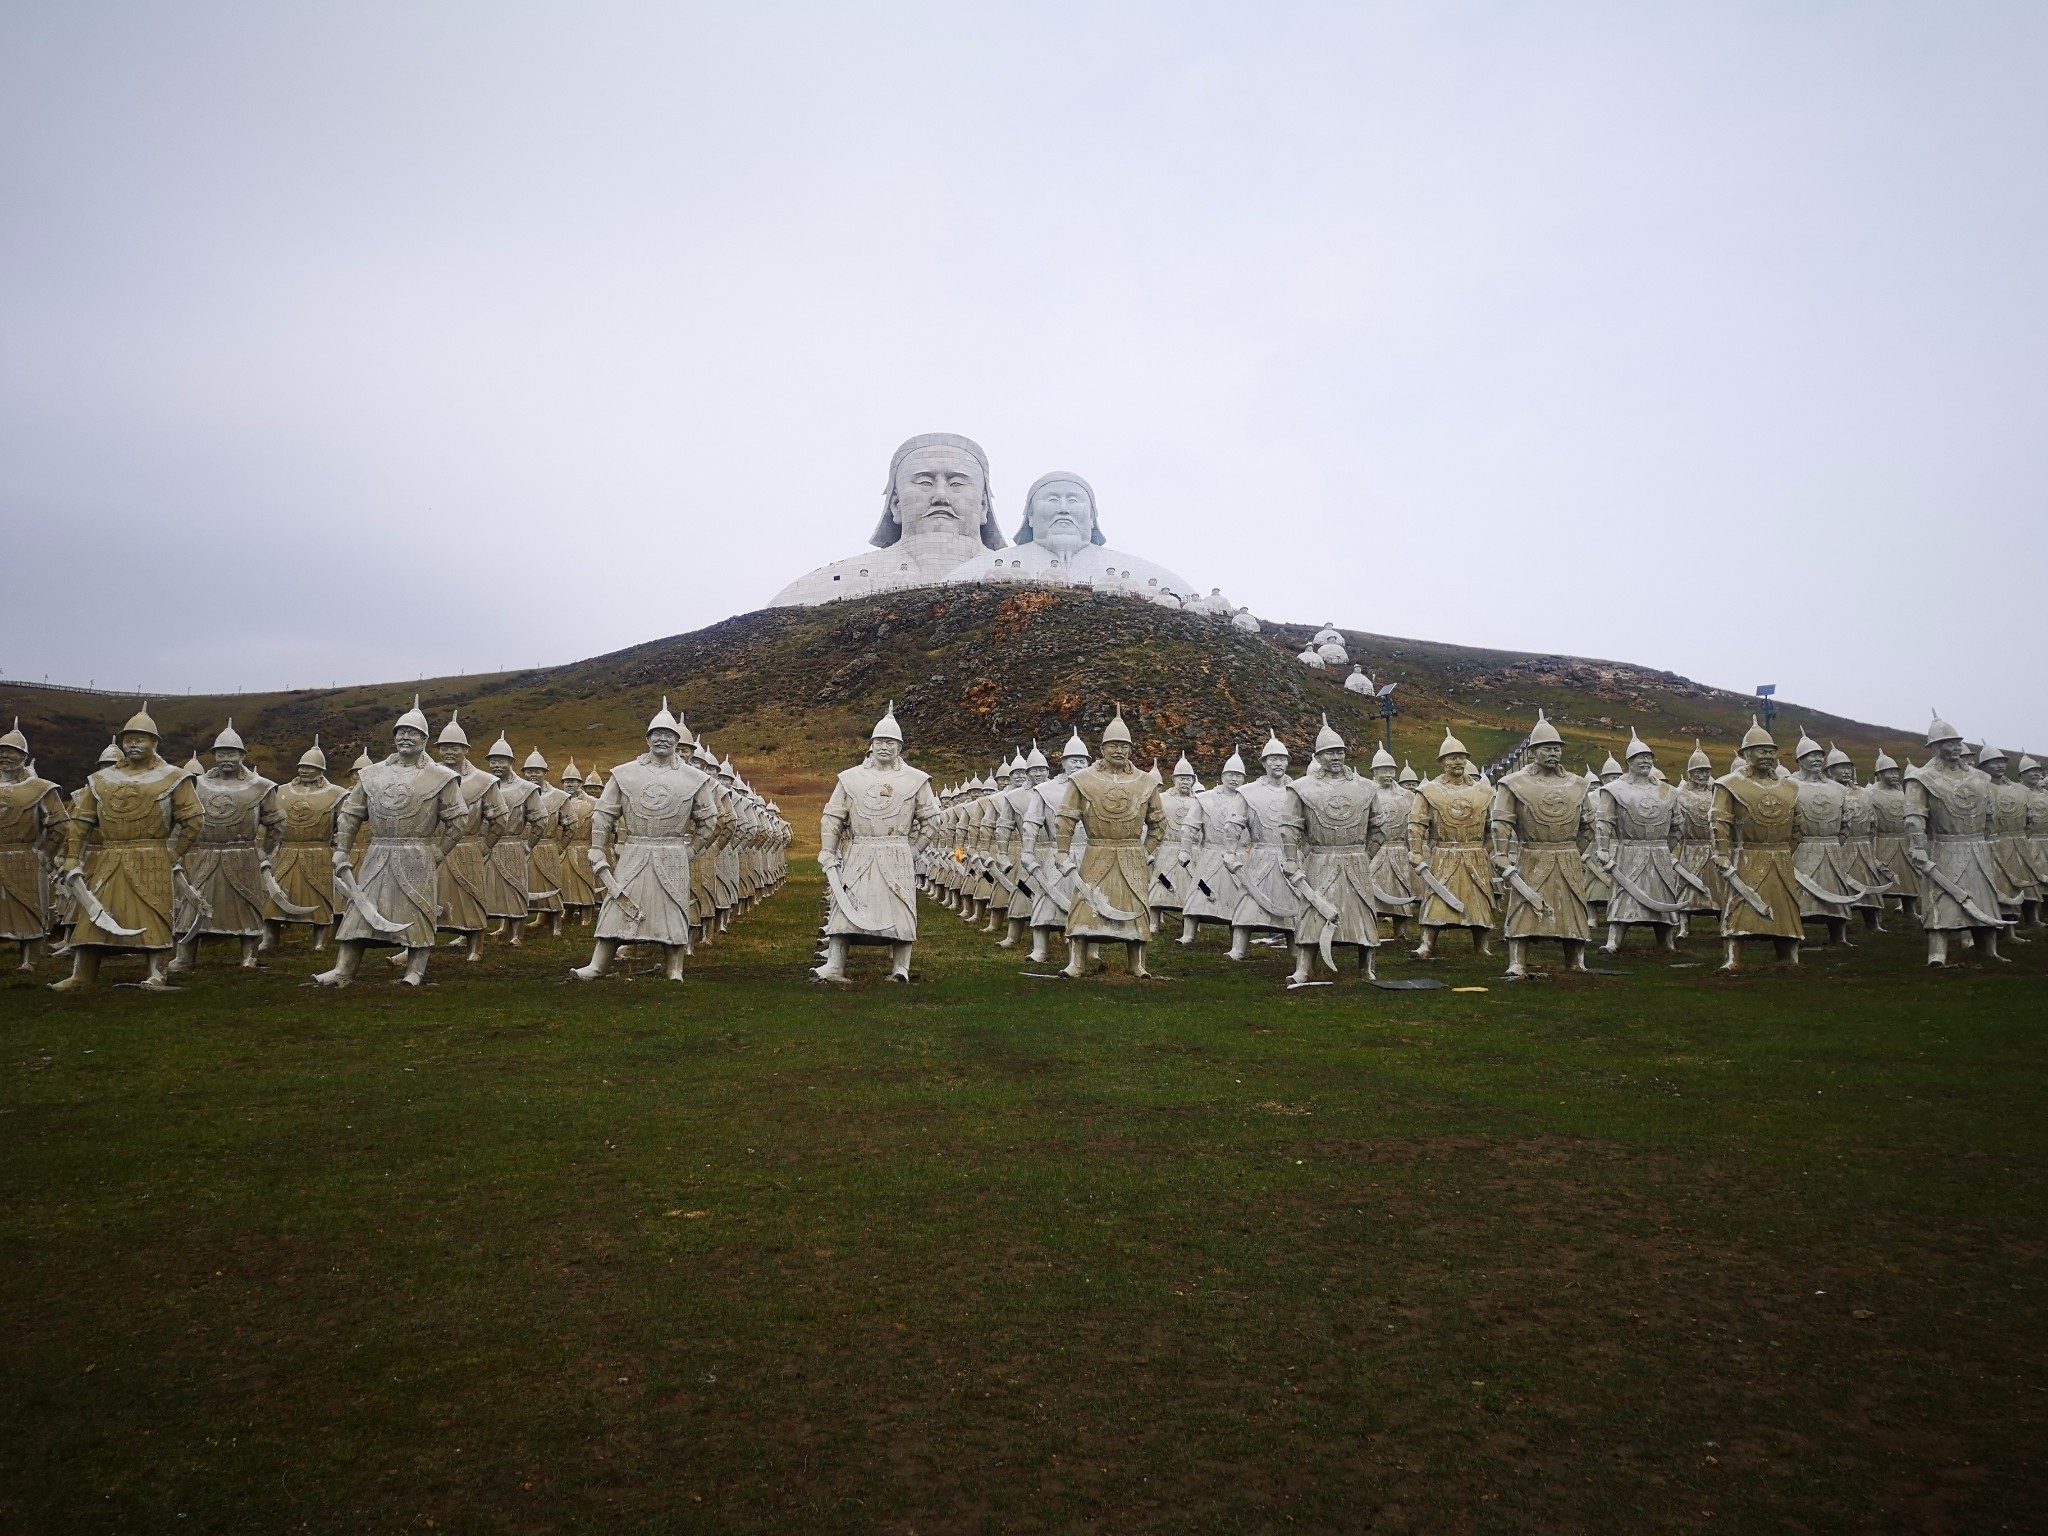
(789, 692)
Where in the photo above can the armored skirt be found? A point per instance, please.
(544, 877)
(1342, 876)
(1464, 870)
(1118, 871)
(876, 872)
(229, 877)
(397, 878)
(462, 887)
(1648, 865)
(572, 863)
(305, 873)
(1557, 872)
(24, 894)
(654, 872)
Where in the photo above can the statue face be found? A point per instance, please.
(1811, 763)
(1843, 773)
(534, 775)
(939, 494)
(137, 746)
(1184, 782)
(2034, 778)
(11, 758)
(1700, 776)
(1384, 777)
(501, 766)
(885, 750)
(661, 743)
(1890, 778)
(308, 774)
(1038, 775)
(229, 759)
(1062, 517)
(451, 753)
(1549, 756)
(1117, 754)
(1275, 766)
(1950, 752)
(1640, 767)
(1073, 764)
(1232, 779)
(1457, 764)
(408, 742)
(1995, 767)
(1020, 778)
(1761, 760)
(1331, 760)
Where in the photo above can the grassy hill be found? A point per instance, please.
(789, 692)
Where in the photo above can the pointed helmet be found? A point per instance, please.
(412, 719)
(1408, 776)
(1755, 736)
(1990, 754)
(535, 760)
(453, 732)
(1327, 737)
(2027, 764)
(193, 766)
(1806, 744)
(230, 737)
(1382, 758)
(15, 739)
(1116, 730)
(1184, 768)
(662, 720)
(1274, 747)
(1075, 747)
(362, 761)
(501, 748)
(1234, 764)
(1153, 773)
(1636, 746)
(140, 721)
(572, 774)
(1454, 746)
(1939, 730)
(1611, 769)
(313, 757)
(1699, 758)
(886, 728)
(110, 753)
(1037, 757)
(1884, 761)
(1542, 733)
(1836, 756)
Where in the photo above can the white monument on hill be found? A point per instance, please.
(938, 525)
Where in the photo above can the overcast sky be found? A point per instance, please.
(354, 342)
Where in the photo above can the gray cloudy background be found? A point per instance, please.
(362, 341)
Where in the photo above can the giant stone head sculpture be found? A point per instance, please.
(938, 488)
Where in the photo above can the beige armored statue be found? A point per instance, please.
(2019, 888)
(665, 806)
(1054, 889)
(1111, 872)
(1060, 542)
(1014, 804)
(1636, 836)
(1540, 820)
(1170, 879)
(2035, 778)
(1859, 842)
(462, 871)
(1392, 875)
(1268, 902)
(1693, 818)
(302, 860)
(877, 811)
(937, 514)
(127, 830)
(1886, 794)
(63, 904)
(417, 817)
(1341, 819)
(229, 866)
(507, 884)
(1447, 849)
(363, 832)
(1598, 888)
(544, 862)
(1756, 841)
(32, 817)
(572, 842)
(1948, 841)
(1213, 837)
(1826, 889)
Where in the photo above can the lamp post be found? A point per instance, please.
(1770, 704)
(1387, 712)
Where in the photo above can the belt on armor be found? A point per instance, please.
(1114, 842)
(228, 847)
(657, 842)
(1477, 842)
(405, 842)
(1642, 842)
(1571, 843)
(1959, 839)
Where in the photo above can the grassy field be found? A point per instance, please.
(1656, 1251)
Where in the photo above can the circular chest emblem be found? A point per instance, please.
(125, 800)
(1965, 798)
(1341, 813)
(222, 809)
(656, 799)
(1770, 804)
(1116, 803)
(392, 799)
(1554, 804)
(1458, 810)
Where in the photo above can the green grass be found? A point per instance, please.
(1651, 1252)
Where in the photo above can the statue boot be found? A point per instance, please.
(1187, 933)
(1617, 935)
(516, 932)
(1012, 933)
(1134, 959)
(602, 954)
(185, 956)
(1575, 954)
(85, 972)
(1041, 945)
(1518, 960)
(1987, 940)
(899, 961)
(834, 968)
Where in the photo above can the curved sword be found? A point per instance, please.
(1641, 897)
(345, 882)
(96, 915)
(1442, 892)
(1819, 892)
(282, 902)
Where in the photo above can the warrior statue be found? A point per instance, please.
(229, 867)
(572, 842)
(1886, 795)
(1391, 874)
(417, 817)
(878, 810)
(1598, 888)
(1756, 841)
(2035, 777)
(1540, 820)
(1948, 841)
(32, 818)
(1267, 901)
(302, 862)
(2019, 889)
(544, 865)
(63, 901)
(1636, 830)
(1213, 836)
(1859, 842)
(1030, 771)
(1170, 880)
(665, 806)
(704, 861)
(363, 832)
(1339, 812)
(1054, 888)
(1826, 889)
(462, 871)
(1693, 819)
(507, 884)
(1447, 849)
(1110, 873)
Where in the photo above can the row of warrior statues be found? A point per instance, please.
(149, 859)
(1102, 851)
